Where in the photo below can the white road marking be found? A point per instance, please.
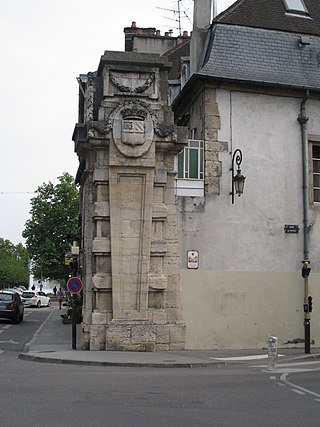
(297, 388)
(7, 326)
(240, 358)
(298, 391)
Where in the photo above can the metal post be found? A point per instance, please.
(306, 318)
(272, 352)
(74, 322)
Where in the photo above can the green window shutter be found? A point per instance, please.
(194, 164)
(180, 164)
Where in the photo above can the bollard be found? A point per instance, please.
(272, 352)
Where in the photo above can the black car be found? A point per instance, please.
(11, 306)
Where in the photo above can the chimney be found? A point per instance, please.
(202, 12)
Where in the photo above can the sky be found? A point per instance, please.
(44, 46)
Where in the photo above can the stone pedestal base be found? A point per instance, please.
(144, 336)
(130, 336)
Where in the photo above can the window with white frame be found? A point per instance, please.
(295, 6)
(316, 172)
(191, 160)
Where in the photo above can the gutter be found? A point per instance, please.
(303, 119)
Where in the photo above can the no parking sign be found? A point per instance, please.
(74, 285)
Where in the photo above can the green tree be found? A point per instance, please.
(14, 264)
(53, 226)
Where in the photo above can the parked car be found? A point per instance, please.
(36, 299)
(18, 289)
(11, 306)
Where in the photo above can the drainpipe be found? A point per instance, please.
(303, 119)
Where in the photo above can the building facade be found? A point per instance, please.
(254, 87)
(157, 210)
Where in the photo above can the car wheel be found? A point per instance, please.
(21, 317)
(49, 303)
(16, 320)
(39, 304)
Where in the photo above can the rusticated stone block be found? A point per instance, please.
(101, 209)
(100, 174)
(99, 318)
(159, 212)
(101, 245)
(158, 247)
(130, 336)
(162, 347)
(102, 281)
(157, 282)
(97, 337)
(162, 334)
(159, 317)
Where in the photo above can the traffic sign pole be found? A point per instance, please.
(74, 286)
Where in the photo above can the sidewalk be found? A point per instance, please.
(52, 343)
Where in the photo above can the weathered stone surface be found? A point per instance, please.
(130, 336)
(159, 317)
(101, 245)
(159, 212)
(158, 247)
(97, 337)
(101, 209)
(130, 252)
(102, 281)
(157, 282)
(99, 318)
(101, 174)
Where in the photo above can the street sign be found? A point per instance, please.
(193, 259)
(74, 285)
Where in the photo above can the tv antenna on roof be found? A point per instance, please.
(177, 13)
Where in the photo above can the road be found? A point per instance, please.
(42, 394)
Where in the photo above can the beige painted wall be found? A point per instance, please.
(225, 310)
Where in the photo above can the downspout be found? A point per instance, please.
(303, 119)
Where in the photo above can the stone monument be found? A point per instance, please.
(129, 257)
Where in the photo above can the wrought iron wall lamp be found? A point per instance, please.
(238, 180)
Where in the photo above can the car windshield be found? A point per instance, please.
(27, 294)
(6, 297)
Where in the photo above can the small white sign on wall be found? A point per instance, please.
(193, 259)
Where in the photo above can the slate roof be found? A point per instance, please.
(174, 55)
(263, 56)
(272, 14)
(255, 41)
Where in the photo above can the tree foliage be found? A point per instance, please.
(14, 260)
(52, 228)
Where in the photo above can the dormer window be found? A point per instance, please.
(296, 7)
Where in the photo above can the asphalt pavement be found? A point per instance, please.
(53, 343)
